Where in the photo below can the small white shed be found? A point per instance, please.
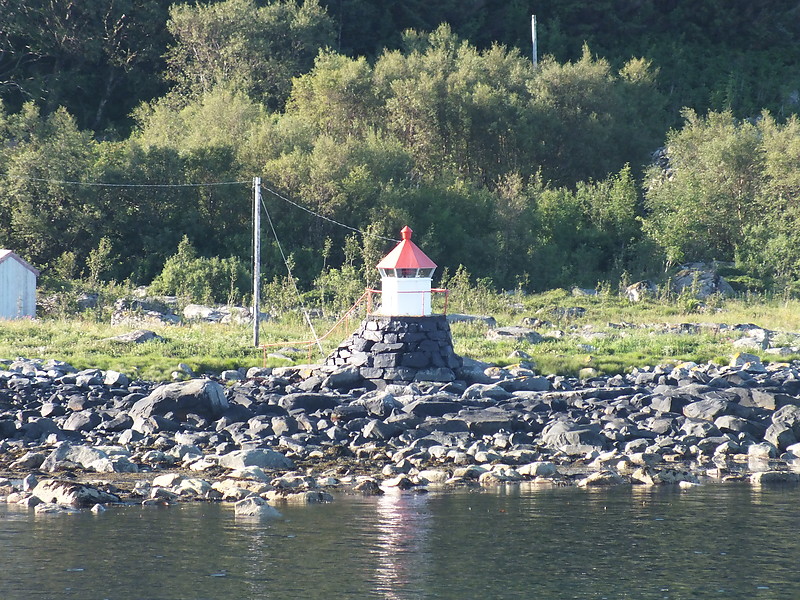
(17, 286)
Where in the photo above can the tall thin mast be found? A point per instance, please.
(256, 257)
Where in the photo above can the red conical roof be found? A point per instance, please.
(406, 255)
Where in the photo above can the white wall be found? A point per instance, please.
(17, 290)
(406, 296)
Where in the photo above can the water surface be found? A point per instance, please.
(717, 541)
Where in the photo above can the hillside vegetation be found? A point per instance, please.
(130, 132)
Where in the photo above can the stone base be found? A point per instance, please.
(400, 350)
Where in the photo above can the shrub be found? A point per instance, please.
(207, 280)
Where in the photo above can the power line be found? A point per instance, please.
(292, 279)
(319, 216)
(194, 185)
(132, 185)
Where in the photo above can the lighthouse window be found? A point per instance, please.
(406, 272)
(387, 272)
(425, 272)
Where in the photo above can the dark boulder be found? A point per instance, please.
(84, 420)
(781, 435)
(489, 422)
(378, 430)
(706, 410)
(198, 396)
(431, 406)
(442, 425)
(347, 412)
(309, 402)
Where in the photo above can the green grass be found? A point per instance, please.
(84, 344)
(83, 341)
(635, 344)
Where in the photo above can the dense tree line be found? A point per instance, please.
(529, 175)
(101, 58)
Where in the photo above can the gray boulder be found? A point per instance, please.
(733, 424)
(561, 434)
(264, 459)
(788, 415)
(640, 290)
(516, 334)
(774, 477)
(348, 412)
(669, 403)
(378, 430)
(474, 371)
(139, 336)
(431, 407)
(781, 435)
(116, 379)
(343, 377)
(198, 312)
(701, 281)
(82, 420)
(231, 375)
(284, 425)
(257, 507)
(198, 396)
(488, 422)
(72, 494)
(740, 359)
(706, 410)
(526, 384)
(308, 402)
(769, 399)
(490, 390)
(457, 318)
(699, 428)
(30, 460)
(379, 404)
(66, 455)
(437, 374)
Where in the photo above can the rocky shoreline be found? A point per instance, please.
(302, 434)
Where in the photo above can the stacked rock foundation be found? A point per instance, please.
(400, 350)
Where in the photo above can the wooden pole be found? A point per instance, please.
(534, 41)
(256, 257)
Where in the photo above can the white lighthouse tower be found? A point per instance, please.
(406, 274)
(403, 341)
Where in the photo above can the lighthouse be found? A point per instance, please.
(403, 341)
(406, 274)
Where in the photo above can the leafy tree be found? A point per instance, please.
(219, 117)
(44, 215)
(338, 96)
(99, 260)
(593, 120)
(700, 208)
(455, 108)
(209, 280)
(237, 43)
(770, 247)
(514, 227)
(98, 58)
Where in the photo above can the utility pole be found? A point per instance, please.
(533, 40)
(256, 257)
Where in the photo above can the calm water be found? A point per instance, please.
(718, 541)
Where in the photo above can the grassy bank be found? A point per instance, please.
(612, 335)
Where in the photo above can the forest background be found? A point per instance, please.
(650, 133)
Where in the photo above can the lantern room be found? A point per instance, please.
(406, 274)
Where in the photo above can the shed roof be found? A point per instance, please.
(406, 255)
(9, 254)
